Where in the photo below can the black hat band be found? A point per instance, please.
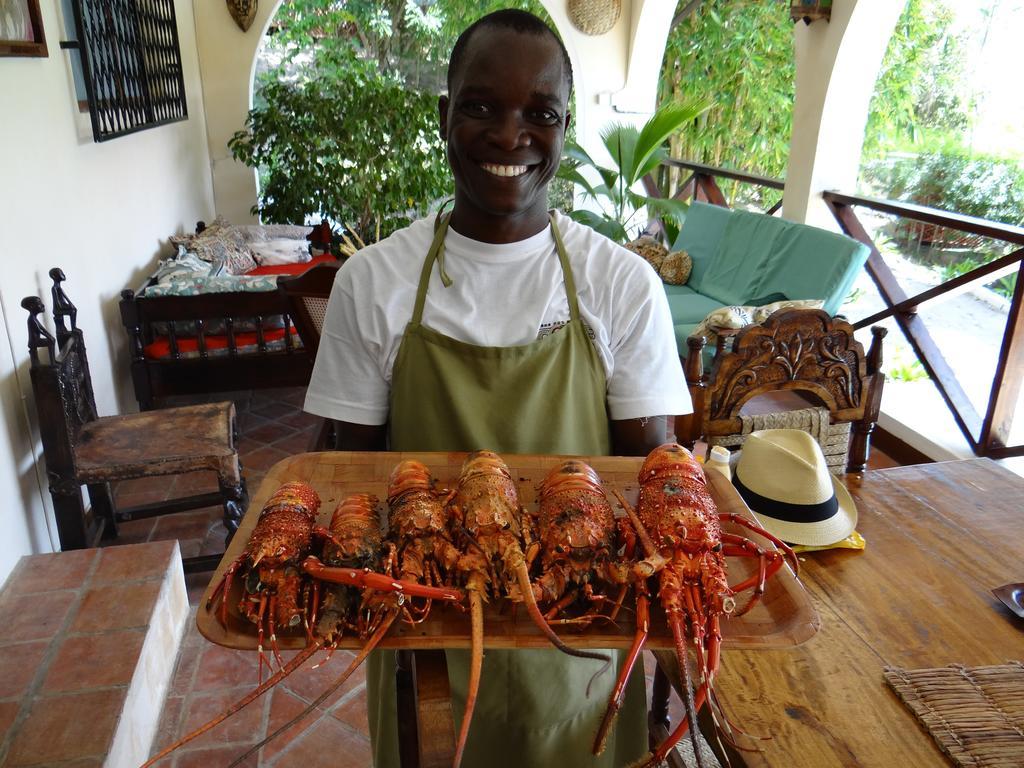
(786, 511)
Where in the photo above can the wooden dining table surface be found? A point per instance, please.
(939, 538)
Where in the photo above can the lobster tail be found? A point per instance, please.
(476, 662)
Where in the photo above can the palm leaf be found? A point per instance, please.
(574, 156)
(663, 124)
(573, 175)
(574, 151)
(668, 210)
(620, 140)
(600, 223)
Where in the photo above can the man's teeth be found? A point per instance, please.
(504, 170)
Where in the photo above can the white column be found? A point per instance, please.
(837, 64)
(227, 58)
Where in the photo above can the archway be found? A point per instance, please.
(616, 77)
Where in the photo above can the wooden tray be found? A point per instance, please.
(784, 616)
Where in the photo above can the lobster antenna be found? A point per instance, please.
(691, 711)
(359, 659)
(645, 538)
(250, 697)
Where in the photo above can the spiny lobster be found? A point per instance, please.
(486, 509)
(353, 540)
(419, 526)
(352, 546)
(679, 528)
(577, 532)
(417, 541)
(282, 537)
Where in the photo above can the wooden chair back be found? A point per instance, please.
(82, 448)
(306, 296)
(794, 350)
(61, 383)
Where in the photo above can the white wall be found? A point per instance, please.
(227, 58)
(102, 212)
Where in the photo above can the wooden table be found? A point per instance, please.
(939, 538)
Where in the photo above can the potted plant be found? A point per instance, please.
(635, 152)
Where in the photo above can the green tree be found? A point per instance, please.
(920, 89)
(359, 149)
(344, 124)
(404, 37)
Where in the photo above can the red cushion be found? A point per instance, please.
(292, 269)
(161, 345)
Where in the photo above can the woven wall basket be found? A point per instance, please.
(594, 17)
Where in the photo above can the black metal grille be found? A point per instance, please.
(132, 64)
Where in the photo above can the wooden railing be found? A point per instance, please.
(988, 433)
(702, 185)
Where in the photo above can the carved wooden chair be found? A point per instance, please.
(82, 448)
(307, 296)
(803, 351)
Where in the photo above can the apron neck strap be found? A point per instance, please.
(436, 252)
(563, 258)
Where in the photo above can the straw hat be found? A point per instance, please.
(783, 477)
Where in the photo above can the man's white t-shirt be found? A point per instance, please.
(502, 295)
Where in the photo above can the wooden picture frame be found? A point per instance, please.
(21, 29)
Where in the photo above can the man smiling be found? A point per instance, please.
(508, 327)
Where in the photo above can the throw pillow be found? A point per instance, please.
(761, 313)
(652, 251)
(256, 233)
(675, 270)
(272, 253)
(219, 244)
(183, 266)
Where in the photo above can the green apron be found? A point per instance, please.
(545, 397)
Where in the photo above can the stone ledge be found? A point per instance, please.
(88, 641)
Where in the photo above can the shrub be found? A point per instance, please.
(347, 144)
(948, 177)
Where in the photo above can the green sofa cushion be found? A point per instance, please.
(688, 308)
(812, 263)
(739, 257)
(700, 236)
(749, 259)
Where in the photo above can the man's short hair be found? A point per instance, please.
(508, 18)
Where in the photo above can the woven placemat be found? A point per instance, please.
(976, 714)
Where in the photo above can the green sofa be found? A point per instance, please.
(750, 259)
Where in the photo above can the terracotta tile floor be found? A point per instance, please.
(208, 678)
